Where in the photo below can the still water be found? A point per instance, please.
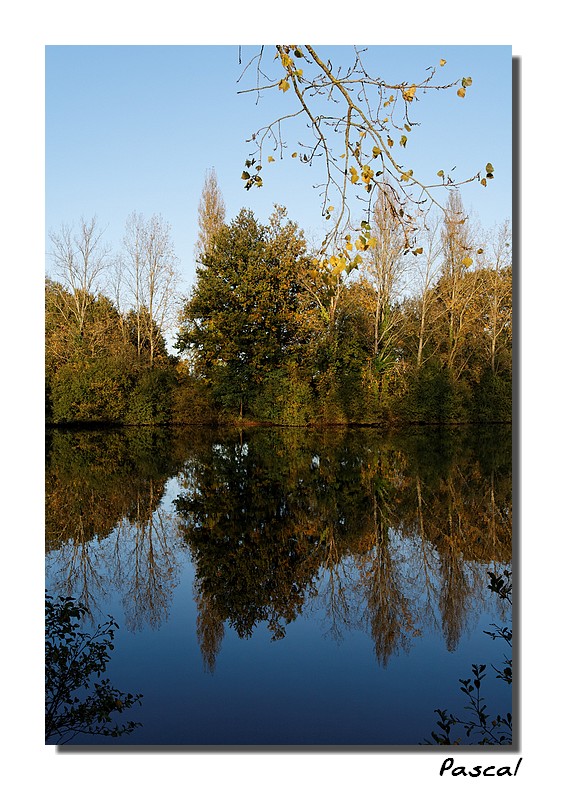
(285, 587)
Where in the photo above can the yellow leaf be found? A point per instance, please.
(371, 242)
(467, 261)
(408, 94)
(270, 159)
(376, 151)
(294, 155)
(442, 62)
(286, 60)
(353, 175)
(283, 85)
(461, 92)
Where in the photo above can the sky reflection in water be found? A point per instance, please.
(285, 587)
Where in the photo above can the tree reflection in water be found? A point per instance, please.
(392, 534)
(106, 524)
(355, 523)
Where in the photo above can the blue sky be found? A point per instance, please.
(134, 128)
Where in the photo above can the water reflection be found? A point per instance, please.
(385, 534)
(390, 534)
(105, 523)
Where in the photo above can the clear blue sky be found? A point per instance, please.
(135, 128)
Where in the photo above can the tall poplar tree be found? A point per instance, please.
(212, 212)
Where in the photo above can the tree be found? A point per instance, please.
(384, 267)
(241, 320)
(497, 292)
(357, 122)
(428, 267)
(458, 287)
(151, 278)
(133, 268)
(212, 212)
(87, 360)
(79, 262)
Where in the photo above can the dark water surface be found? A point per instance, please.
(285, 587)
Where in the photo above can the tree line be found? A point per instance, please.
(269, 333)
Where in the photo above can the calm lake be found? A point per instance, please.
(286, 587)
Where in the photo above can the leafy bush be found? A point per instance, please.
(479, 726)
(150, 401)
(74, 703)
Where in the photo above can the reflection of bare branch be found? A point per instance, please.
(336, 593)
(152, 566)
(80, 573)
(427, 567)
(390, 619)
(455, 589)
